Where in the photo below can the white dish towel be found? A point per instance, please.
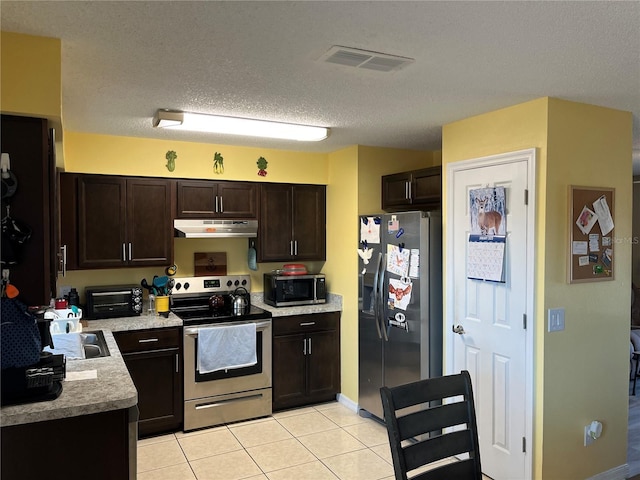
(223, 348)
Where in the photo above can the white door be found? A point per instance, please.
(493, 341)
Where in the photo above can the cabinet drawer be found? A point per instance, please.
(143, 340)
(305, 323)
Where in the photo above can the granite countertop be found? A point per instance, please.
(334, 304)
(113, 388)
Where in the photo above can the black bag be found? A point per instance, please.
(21, 343)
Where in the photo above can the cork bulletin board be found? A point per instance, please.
(592, 242)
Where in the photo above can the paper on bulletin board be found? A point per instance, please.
(398, 260)
(586, 220)
(485, 258)
(370, 231)
(399, 293)
(604, 215)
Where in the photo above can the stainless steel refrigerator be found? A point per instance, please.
(400, 302)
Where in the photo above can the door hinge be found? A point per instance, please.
(524, 321)
(526, 196)
(524, 445)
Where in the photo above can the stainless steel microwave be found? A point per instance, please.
(292, 290)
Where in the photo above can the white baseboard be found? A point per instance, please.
(617, 473)
(347, 402)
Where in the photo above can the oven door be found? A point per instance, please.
(222, 382)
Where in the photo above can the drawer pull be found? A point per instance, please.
(147, 340)
(307, 324)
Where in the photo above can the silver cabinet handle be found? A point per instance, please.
(304, 346)
(147, 340)
(309, 346)
(216, 204)
(291, 248)
(130, 257)
(459, 329)
(409, 184)
(63, 260)
(295, 243)
(307, 324)
(221, 205)
(124, 253)
(177, 363)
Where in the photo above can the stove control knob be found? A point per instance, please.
(236, 283)
(229, 283)
(244, 282)
(186, 285)
(178, 286)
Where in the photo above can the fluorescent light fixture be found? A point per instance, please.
(238, 126)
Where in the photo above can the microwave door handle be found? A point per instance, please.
(107, 294)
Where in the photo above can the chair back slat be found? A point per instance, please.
(433, 419)
(419, 417)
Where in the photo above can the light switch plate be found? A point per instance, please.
(556, 319)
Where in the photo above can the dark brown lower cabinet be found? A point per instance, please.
(101, 446)
(154, 361)
(306, 359)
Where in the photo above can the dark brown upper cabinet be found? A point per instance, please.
(113, 222)
(414, 190)
(292, 223)
(210, 199)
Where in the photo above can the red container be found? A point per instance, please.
(60, 304)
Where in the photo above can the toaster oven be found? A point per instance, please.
(113, 301)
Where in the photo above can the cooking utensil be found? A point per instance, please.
(216, 302)
(239, 301)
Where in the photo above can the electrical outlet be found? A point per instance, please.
(64, 290)
(555, 320)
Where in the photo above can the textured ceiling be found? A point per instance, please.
(123, 60)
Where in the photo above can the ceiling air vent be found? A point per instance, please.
(354, 57)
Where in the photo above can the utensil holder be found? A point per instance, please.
(162, 305)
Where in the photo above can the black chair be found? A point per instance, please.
(416, 436)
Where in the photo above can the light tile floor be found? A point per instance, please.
(321, 442)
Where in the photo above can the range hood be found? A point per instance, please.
(207, 228)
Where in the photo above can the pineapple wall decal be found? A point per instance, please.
(262, 166)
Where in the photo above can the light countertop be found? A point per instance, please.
(113, 389)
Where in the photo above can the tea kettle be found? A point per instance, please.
(239, 301)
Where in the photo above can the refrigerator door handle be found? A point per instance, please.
(382, 295)
(376, 294)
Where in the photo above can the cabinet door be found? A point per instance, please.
(101, 221)
(26, 142)
(395, 190)
(289, 370)
(323, 356)
(149, 222)
(309, 222)
(196, 199)
(275, 226)
(156, 377)
(427, 187)
(238, 200)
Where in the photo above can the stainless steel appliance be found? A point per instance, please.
(282, 290)
(400, 302)
(113, 301)
(222, 396)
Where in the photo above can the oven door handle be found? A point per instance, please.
(193, 332)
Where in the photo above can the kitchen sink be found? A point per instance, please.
(94, 344)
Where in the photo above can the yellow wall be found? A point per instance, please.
(342, 261)
(572, 387)
(30, 76)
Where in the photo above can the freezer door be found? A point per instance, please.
(370, 365)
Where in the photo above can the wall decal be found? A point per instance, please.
(218, 163)
(262, 166)
(171, 160)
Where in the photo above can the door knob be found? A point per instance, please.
(459, 329)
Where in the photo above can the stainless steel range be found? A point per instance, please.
(225, 394)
